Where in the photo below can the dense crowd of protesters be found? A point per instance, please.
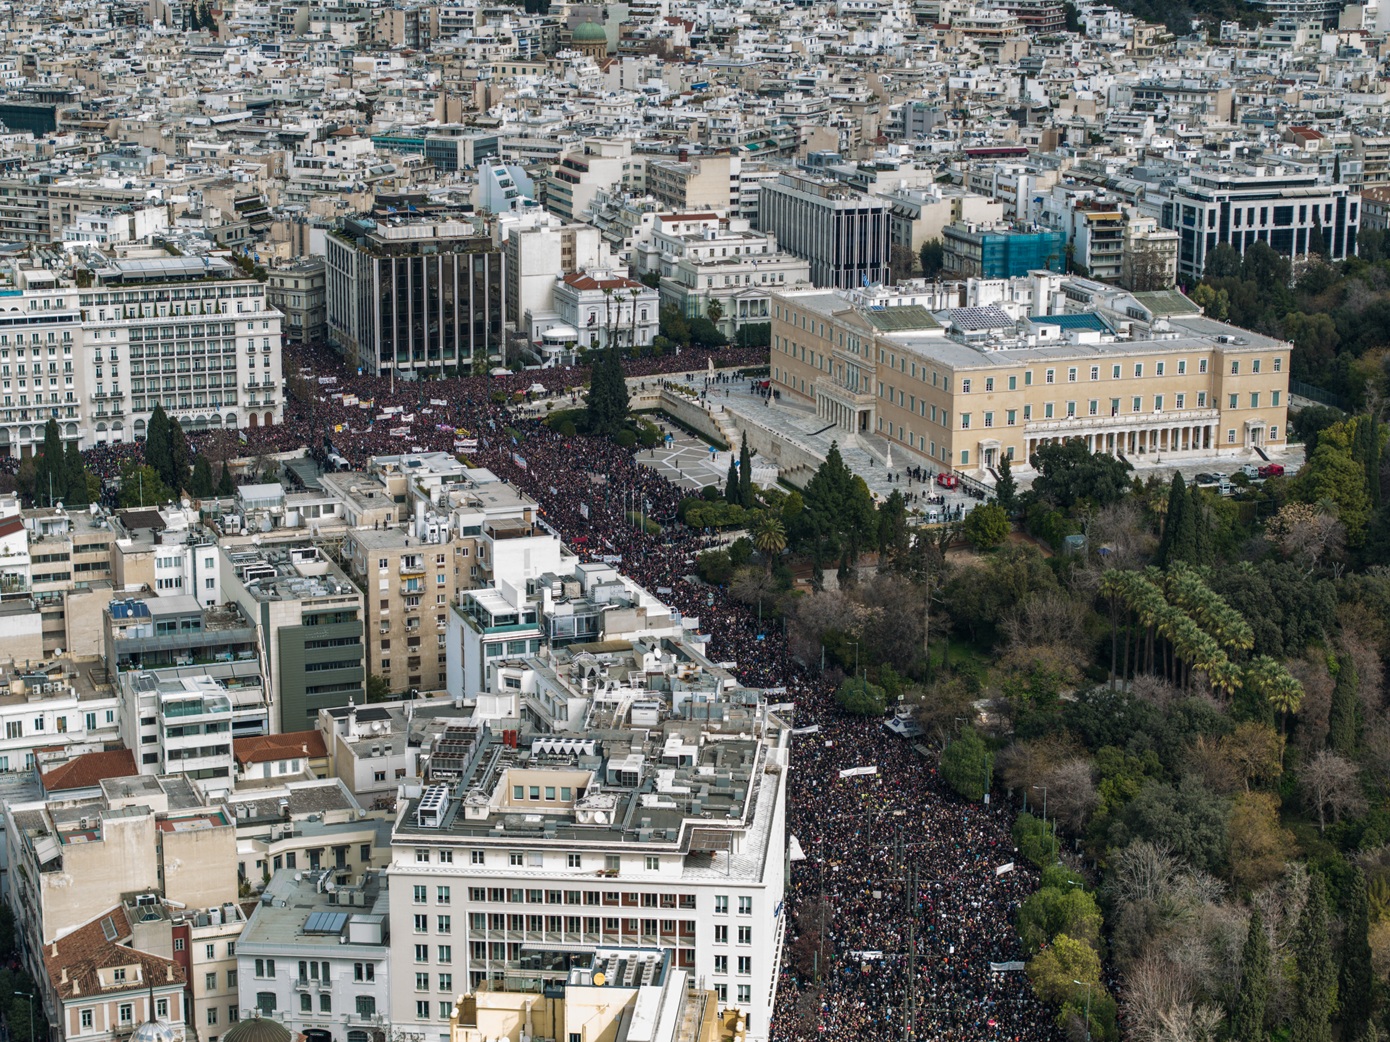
(883, 852)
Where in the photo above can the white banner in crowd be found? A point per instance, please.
(855, 772)
(1004, 868)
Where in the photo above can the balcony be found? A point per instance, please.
(1121, 421)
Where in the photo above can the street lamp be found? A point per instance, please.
(1054, 824)
(30, 997)
(1088, 1006)
(856, 656)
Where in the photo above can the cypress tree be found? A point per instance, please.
(1202, 550)
(1357, 987)
(178, 457)
(1248, 1013)
(1372, 461)
(157, 443)
(1006, 489)
(76, 477)
(201, 485)
(1176, 520)
(1341, 718)
(745, 476)
(225, 485)
(50, 469)
(1316, 993)
(731, 492)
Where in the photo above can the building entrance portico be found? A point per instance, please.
(1192, 431)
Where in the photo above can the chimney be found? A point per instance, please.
(64, 975)
(54, 951)
(169, 971)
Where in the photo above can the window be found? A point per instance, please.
(422, 857)
(721, 904)
(745, 935)
(422, 953)
(745, 993)
(127, 1014)
(1028, 378)
(989, 383)
(422, 924)
(745, 965)
(1071, 375)
(1201, 365)
(721, 992)
(446, 857)
(721, 964)
(446, 983)
(1235, 368)
(363, 971)
(420, 895)
(721, 934)
(574, 860)
(306, 1004)
(1158, 369)
(366, 1005)
(965, 421)
(745, 906)
(441, 894)
(1231, 401)
(1050, 376)
(1274, 434)
(1255, 366)
(265, 1002)
(178, 944)
(445, 924)
(231, 980)
(1013, 383)
(477, 857)
(1278, 364)
(210, 981)
(1182, 366)
(86, 1018)
(1114, 372)
(965, 387)
(446, 954)
(1231, 437)
(1138, 368)
(989, 419)
(1179, 400)
(516, 859)
(422, 1009)
(1135, 404)
(445, 1009)
(1158, 403)
(422, 982)
(653, 863)
(265, 968)
(1095, 372)
(1273, 397)
(1047, 411)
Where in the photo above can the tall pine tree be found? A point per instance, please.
(745, 475)
(731, 494)
(1316, 989)
(1006, 489)
(1357, 987)
(50, 469)
(157, 444)
(179, 461)
(1248, 1012)
(225, 485)
(201, 484)
(1179, 535)
(75, 473)
(1341, 718)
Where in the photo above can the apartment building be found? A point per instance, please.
(408, 295)
(298, 292)
(204, 943)
(583, 172)
(691, 184)
(538, 246)
(315, 956)
(607, 309)
(53, 708)
(310, 617)
(964, 387)
(554, 853)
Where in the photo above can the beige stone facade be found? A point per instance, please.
(1191, 387)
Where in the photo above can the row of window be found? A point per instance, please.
(1136, 404)
(595, 898)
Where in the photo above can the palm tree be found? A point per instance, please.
(1112, 586)
(769, 537)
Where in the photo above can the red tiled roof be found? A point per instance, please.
(73, 962)
(88, 770)
(689, 217)
(267, 748)
(11, 525)
(582, 280)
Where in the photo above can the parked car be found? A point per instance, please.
(1205, 479)
(1272, 470)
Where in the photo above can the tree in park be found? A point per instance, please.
(769, 537)
(731, 482)
(745, 474)
(892, 528)
(75, 477)
(1069, 473)
(50, 469)
(141, 486)
(967, 765)
(1248, 1009)
(1356, 989)
(838, 517)
(1315, 993)
(1342, 717)
(1052, 910)
(986, 526)
(1179, 526)
(1055, 970)
(858, 697)
(201, 485)
(1006, 488)
(225, 485)
(608, 397)
(179, 457)
(157, 453)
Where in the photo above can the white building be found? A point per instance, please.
(607, 309)
(314, 955)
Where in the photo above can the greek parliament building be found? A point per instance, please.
(414, 294)
(963, 374)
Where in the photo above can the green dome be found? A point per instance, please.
(258, 1030)
(589, 32)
